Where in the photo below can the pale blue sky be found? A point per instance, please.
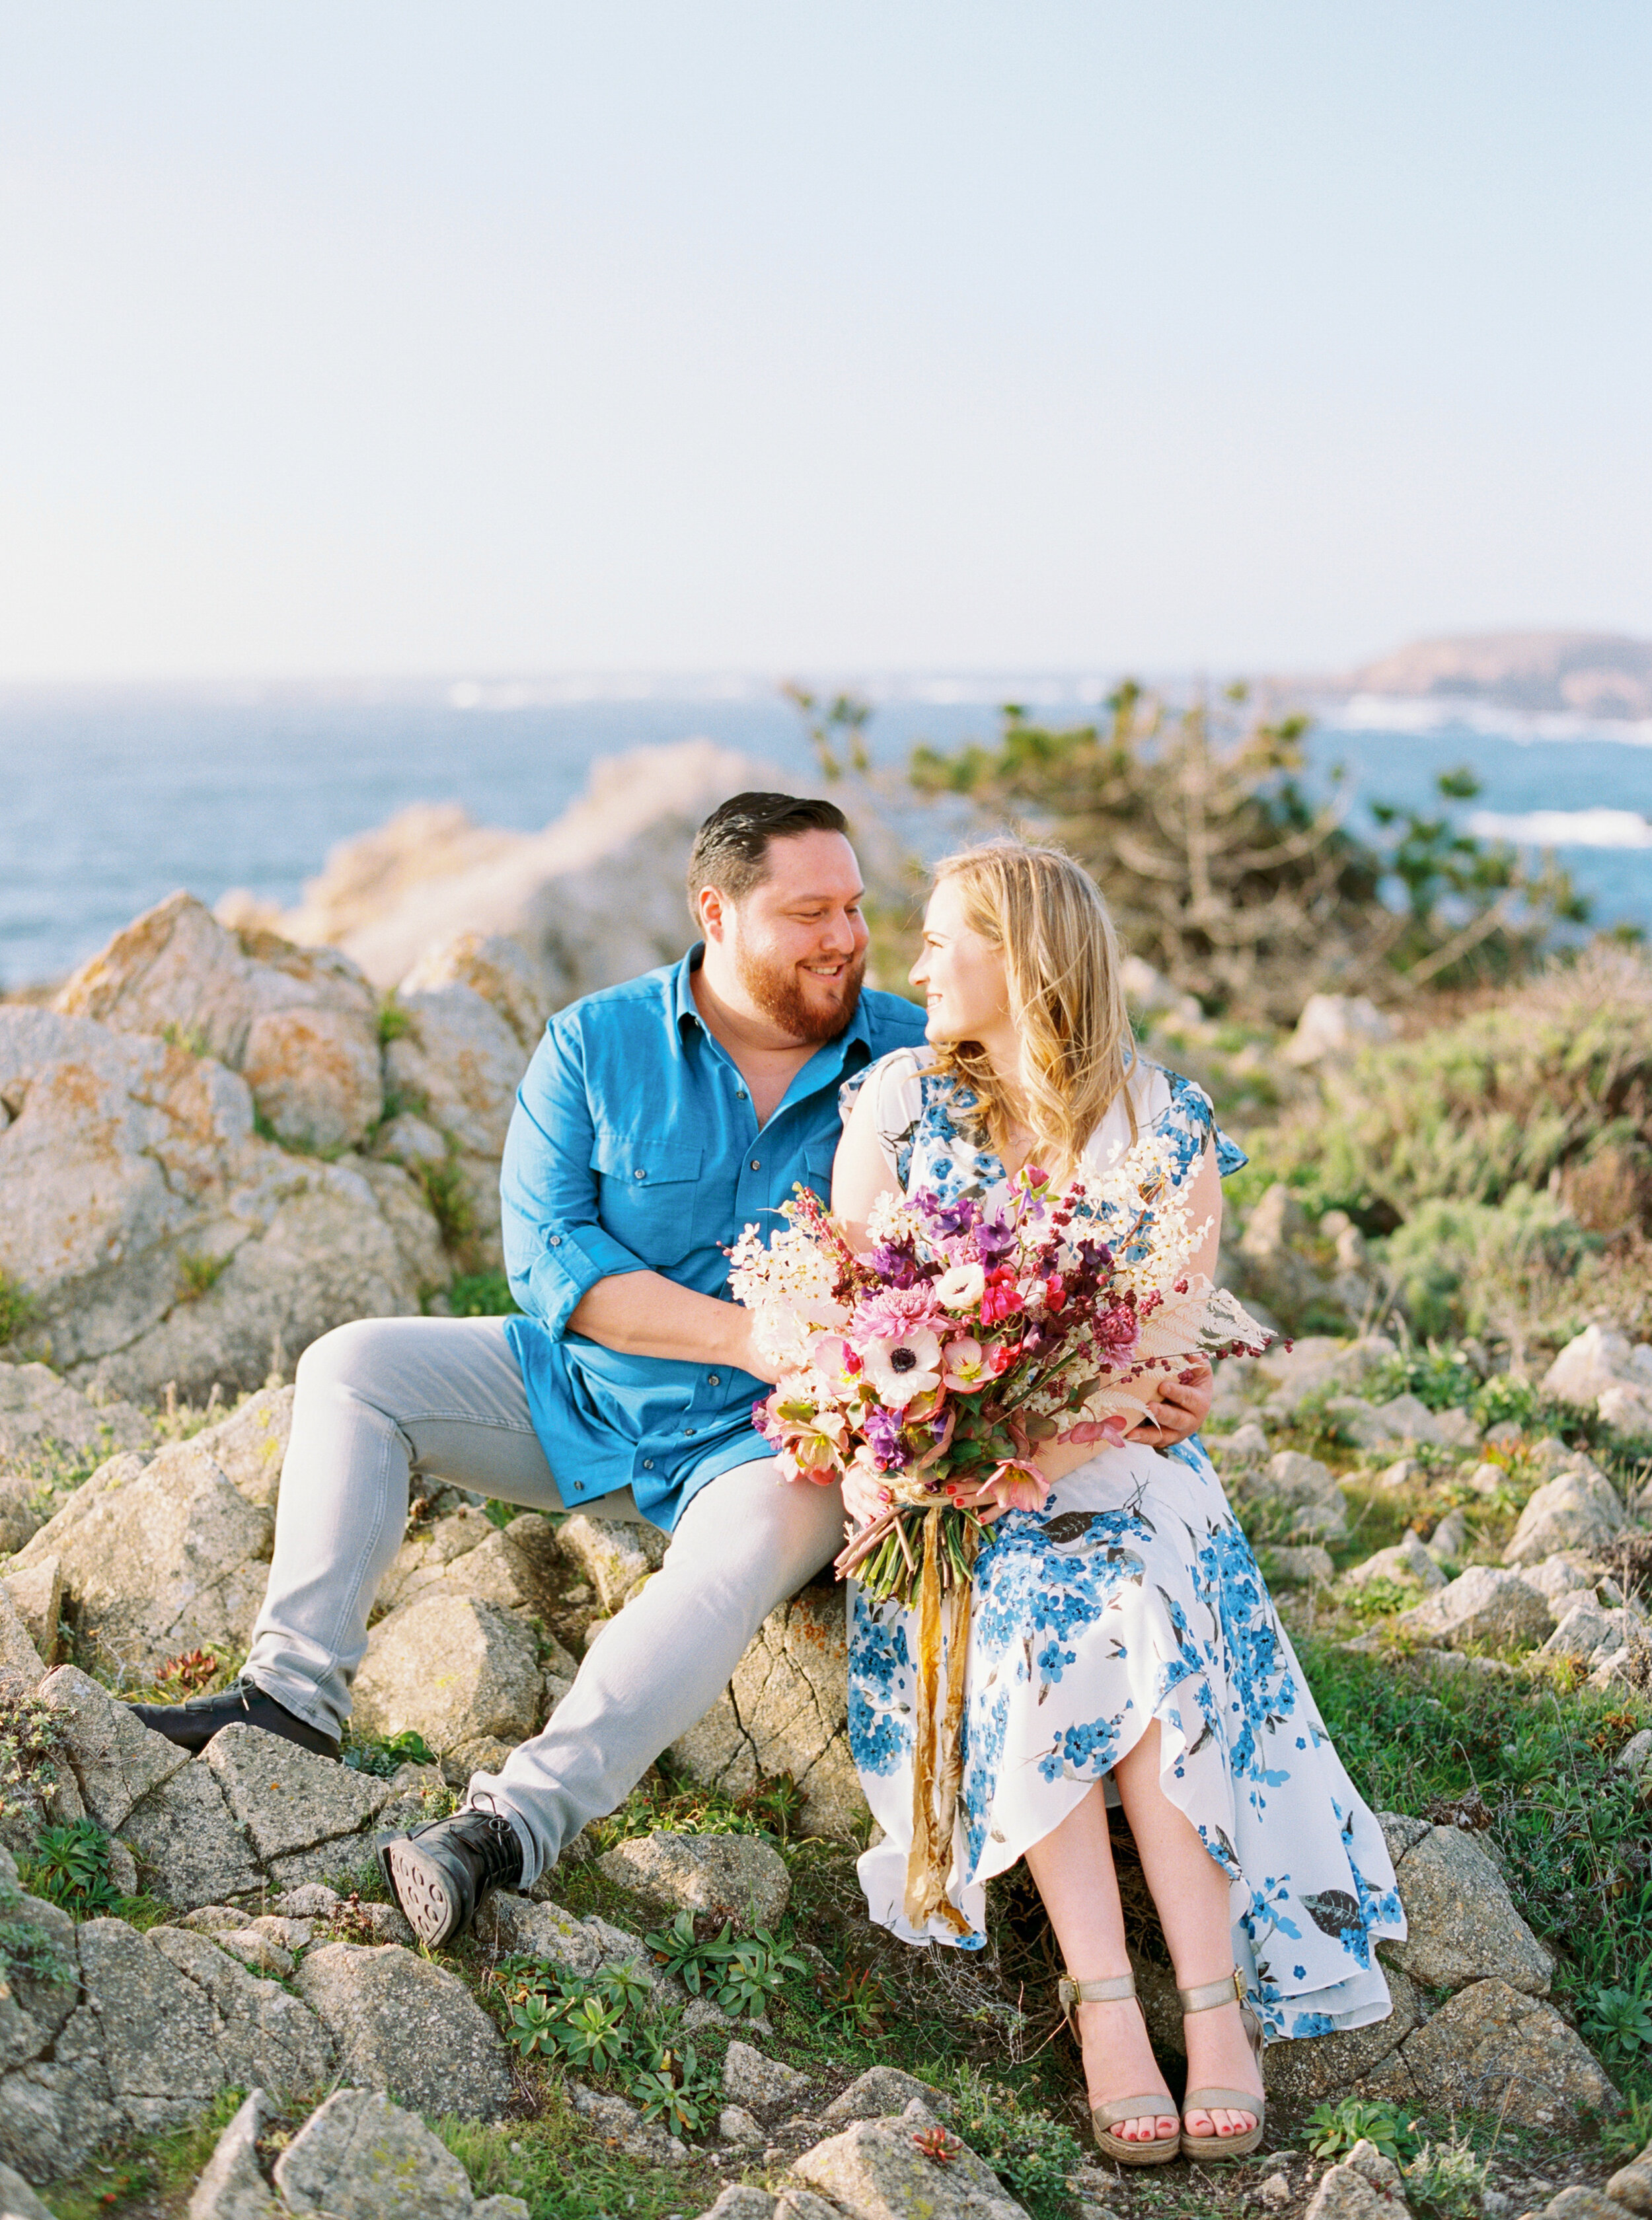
(341, 338)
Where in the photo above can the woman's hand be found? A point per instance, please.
(862, 1495)
(1181, 1408)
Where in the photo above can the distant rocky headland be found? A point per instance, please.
(1585, 674)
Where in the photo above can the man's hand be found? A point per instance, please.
(1184, 1405)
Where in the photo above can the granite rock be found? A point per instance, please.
(1492, 2045)
(1578, 1509)
(733, 1877)
(116, 1759)
(232, 2185)
(1463, 1925)
(189, 1848)
(404, 2024)
(749, 2078)
(287, 1798)
(622, 2128)
(875, 2171)
(161, 1558)
(1306, 1487)
(786, 1710)
(614, 1555)
(359, 2157)
(39, 1412)
(1484, 1603)
(880, 2091)
(300, 1024)
(450, 1668)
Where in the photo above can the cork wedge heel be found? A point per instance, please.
(1157, 2104)
(1219, 2149)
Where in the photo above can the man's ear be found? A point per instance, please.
(711, 909)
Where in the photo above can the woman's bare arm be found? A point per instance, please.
(860, 1172)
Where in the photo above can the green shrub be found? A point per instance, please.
(449, 1199)
(1502, 1099)
(384, 1756)
(17, 1309)
(69, 1866)
(1334, 2129)
(482, 1294)
(1468, 1267)
(1448, 2181)
(1030, 2154)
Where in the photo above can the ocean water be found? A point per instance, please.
(109, 802)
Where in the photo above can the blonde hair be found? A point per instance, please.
(1046, 916)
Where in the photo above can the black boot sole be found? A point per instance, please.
(424, 1891)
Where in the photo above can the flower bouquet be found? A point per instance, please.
(972, 1333)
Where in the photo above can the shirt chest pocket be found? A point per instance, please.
(646, 1191)
(816, 1169)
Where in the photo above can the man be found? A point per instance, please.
(656, 1120)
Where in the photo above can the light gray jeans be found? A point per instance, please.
(385, 1399)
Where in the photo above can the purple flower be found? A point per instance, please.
(882, 1429)
(948, 1219)
(995, 1231)
(895, 1264)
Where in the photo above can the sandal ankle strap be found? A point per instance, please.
(1210, 1996)
(1072, 1994)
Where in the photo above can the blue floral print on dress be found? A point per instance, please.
(1133, 1597)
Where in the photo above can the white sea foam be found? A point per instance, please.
(1565, 828)
(1435, 715)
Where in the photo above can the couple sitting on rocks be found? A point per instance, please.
(656, 1120)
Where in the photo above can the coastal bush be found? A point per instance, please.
(1227, 876)
(1552, 1080)
(1471, 1267)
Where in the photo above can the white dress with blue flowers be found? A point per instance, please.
(1133, 1595)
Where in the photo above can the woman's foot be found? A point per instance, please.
(1118, 2062)
(1220, 2056)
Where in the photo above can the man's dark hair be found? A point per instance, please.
(731, 849)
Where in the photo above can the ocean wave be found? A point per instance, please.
(1565, 828)
(1433, 716)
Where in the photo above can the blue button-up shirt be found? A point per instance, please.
(633, 1147)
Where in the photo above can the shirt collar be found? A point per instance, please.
(684, 1006)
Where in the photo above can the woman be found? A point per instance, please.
(1123, 1646)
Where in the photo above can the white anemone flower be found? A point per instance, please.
(960, 1289)
(905, 1366)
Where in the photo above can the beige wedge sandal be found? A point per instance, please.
(1210, 1997)
(1105, 2118)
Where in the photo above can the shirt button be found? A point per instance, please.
(688, 1430)
(641, 1174)
(713, 1379)
(648, 1464)
(739, 1095)
(756, 1163)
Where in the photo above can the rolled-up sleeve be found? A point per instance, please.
(556, 1247)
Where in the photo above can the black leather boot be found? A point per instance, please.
(192, 1724)
(439, 1873)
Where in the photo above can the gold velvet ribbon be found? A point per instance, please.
(937, 1750)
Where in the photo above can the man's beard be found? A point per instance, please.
(778, 993)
